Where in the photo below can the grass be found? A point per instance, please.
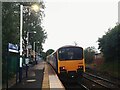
(112, 68)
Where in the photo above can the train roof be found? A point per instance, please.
(64, 47)
(69, 46)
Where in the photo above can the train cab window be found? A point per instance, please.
(70, 53)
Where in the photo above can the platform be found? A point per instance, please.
(40, 76)
(50, 79)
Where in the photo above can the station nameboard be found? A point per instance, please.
(12, 48)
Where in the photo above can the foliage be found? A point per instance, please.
(32, 21)
(11, 26)
(112, 68)
(89, 54)
(109, 44)
(43, 54)
(10, 32)
(50, 51)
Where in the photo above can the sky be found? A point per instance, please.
(80, 21)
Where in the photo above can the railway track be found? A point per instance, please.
(101, 81)
(91, 81)
(84, 87)
(75, 86)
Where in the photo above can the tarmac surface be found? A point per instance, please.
(34, 79)
(41, 76)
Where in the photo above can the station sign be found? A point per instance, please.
(12, 48)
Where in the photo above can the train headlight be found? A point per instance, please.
(80, 67)
(62, 68)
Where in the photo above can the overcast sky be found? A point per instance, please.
(80, 21)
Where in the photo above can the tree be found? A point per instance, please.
(50, 51)
(43, 54)
(11, 26)
(89, 53)
(109, 44)
(33, 22)
(10, 31)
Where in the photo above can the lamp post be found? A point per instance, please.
(35, 8)
(28, 40)
(21, 26)
(27, 57)
(35, 50)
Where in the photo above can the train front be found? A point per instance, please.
(71, 63)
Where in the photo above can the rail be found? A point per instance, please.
(101, 81)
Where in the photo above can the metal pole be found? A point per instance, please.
(27, 59)
(35, 53)
(7, 70)
(34, 46)
(21, 25)
(27, 42)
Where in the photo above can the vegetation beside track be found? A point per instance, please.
(106, 68)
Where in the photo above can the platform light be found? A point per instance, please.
(35, 7)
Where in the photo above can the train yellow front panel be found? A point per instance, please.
(71, 65)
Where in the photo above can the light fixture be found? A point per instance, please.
(35, 7)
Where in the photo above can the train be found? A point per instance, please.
(68, 62)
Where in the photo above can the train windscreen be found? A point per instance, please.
(70, 53)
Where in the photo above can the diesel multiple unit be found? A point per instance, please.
(68, 61)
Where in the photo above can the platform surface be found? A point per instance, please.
(51, 79)
(40, 76)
